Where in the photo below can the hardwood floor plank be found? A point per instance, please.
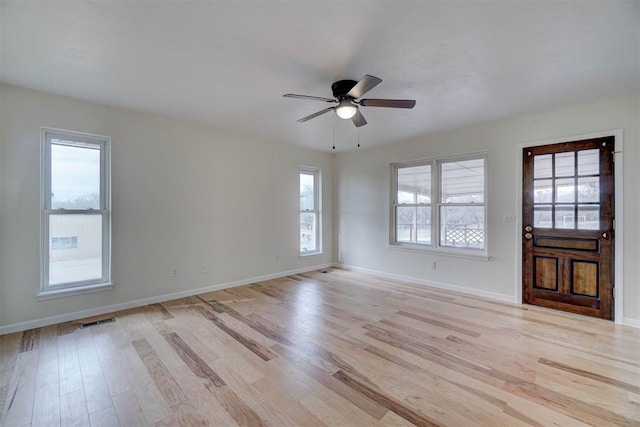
(391, 404)
(18, 407)
(128, 410)
(106, 417)
(363, 402)
(616, 383)
(166, 383)
(194, 362)
(73, 409)
(46, 401)
(259, 350)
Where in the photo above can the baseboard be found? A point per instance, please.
(67, 317)
(434, 284)
(631, 322)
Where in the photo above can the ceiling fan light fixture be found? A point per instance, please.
(346, 109)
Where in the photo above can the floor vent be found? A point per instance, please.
(97, 322)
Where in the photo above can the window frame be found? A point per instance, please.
(317, 209)
(436, 205)
(70, 288)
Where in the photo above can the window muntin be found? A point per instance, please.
(566, 190)
(76, 211)
(440, 204)
(309, 211)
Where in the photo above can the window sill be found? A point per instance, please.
(478, 255)
(69, 292)
(310, 254)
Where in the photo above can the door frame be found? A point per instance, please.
(618, 213)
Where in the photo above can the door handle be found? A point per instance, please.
(528, 229)
(528, 236)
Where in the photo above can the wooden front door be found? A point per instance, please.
(568, 226)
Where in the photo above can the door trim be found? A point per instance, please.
(618, 209)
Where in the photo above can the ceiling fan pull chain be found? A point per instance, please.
(334, 132)
(358, 132)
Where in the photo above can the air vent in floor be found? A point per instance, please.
(97, 322)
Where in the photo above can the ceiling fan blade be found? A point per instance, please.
(314, 98)
(390, 103)
(358, 119)
(314, 115)
(363, 86)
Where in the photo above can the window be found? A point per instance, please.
(439, 204)
(309, 211)
(75, 211)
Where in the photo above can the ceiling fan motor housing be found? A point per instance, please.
(342, 87)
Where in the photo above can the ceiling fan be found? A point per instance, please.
(347, 94)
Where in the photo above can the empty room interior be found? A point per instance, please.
(319, 213)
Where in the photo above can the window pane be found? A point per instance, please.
(564, 164)
(308, 224)
(75, 248)
(463, 181)
(75, 176)
(462, 226)
(589, 189)
(307, 199)
(542, 216)
(413, 224)
(414, 184)
(589, 162)
(565, 217)
(588, 217)
(542, 166)
(542, 191)
(565, 190)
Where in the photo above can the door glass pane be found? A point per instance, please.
(564, 216)
(564, 164)
(542, 166)
(75, 248)
(588, 217)
(542, 216)
(542, 191)
(589, 189)
(308, 224)
(75, 176)
(589, 162)
(565, 191)
(414, 184)
(463, 181)
(462, 226)
(307, 199)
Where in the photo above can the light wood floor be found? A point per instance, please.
(337, 349)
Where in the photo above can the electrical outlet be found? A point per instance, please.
(277, 258)
(173, 272)
(432, 265)
(204, 268)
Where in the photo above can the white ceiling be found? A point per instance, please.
(226, 64)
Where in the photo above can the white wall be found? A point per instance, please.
(182, 194)
(363, 195)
